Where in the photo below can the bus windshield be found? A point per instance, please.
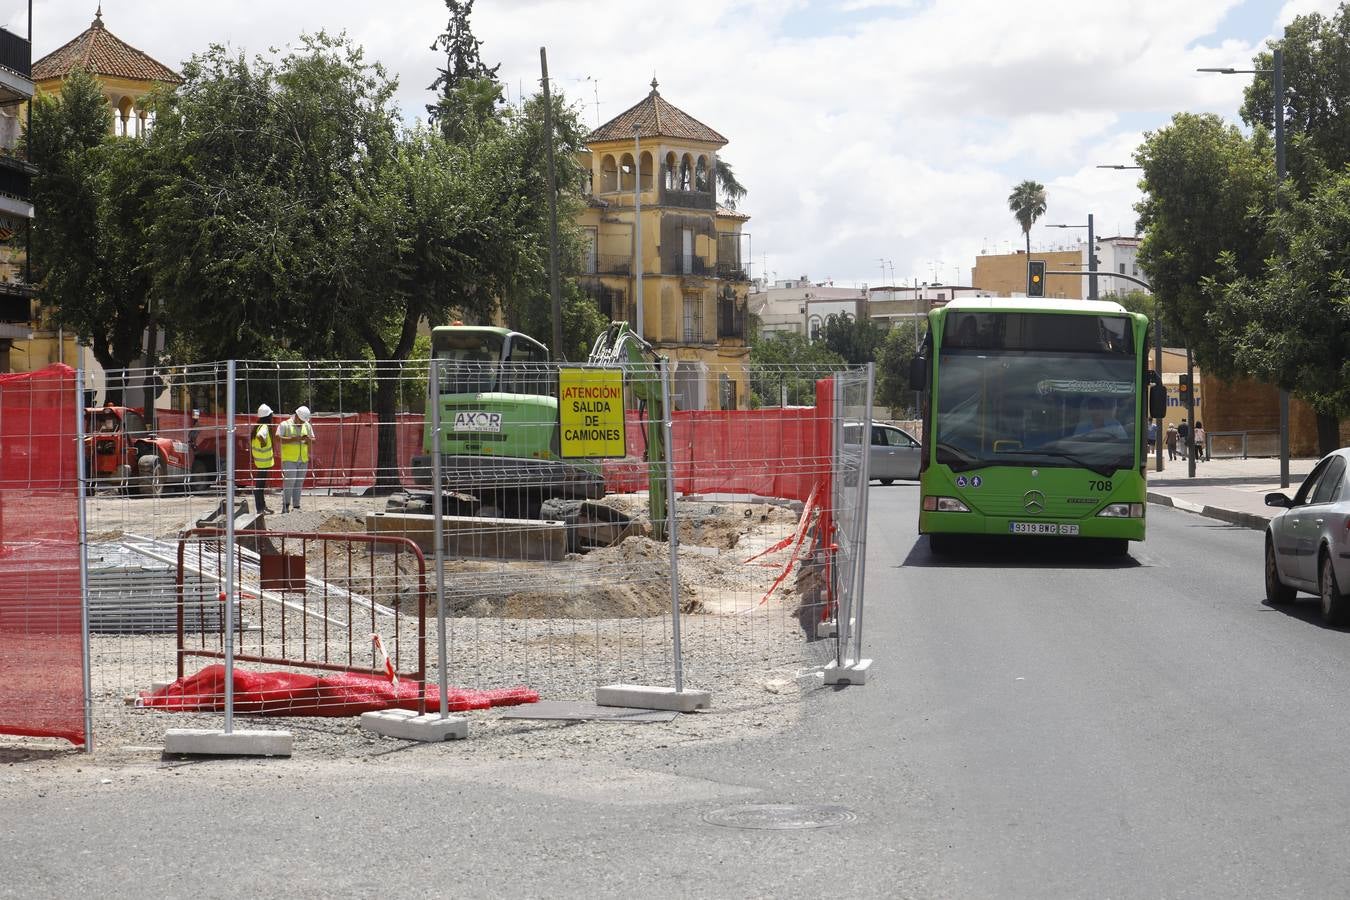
(1007, 403)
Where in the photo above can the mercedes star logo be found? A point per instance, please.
(1033, 502)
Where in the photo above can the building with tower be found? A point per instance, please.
(662, 252)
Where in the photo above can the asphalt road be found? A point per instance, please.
(1039, 725)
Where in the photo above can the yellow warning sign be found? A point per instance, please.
(590, 412)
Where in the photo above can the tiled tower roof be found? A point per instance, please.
(98, 51)
(653, 116)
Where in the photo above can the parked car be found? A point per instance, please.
(893, 454)
(1308, 541)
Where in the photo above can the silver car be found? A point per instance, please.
(893, 454)
(1308, 542)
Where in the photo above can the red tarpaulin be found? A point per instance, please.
(303, 694)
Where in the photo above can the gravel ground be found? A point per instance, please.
(560, 628)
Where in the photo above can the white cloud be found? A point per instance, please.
(897, 135)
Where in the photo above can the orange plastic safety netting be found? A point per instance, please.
(41, 646)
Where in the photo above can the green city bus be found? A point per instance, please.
(1034, 421)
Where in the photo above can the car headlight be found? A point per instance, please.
(944, 504)
(1122, 511)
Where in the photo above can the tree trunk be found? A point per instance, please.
(1328, 433)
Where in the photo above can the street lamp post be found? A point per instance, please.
(1277, 76)
(1157, 344)
(1092, 255)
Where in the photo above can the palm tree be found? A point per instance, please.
(1027, 202)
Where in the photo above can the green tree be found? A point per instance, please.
(893, 355)
(467, 88)
(855, 340)
(91, 197)
(732, 191)
(1290, 324)
(1207, 190)
(1317, 94)
(786, 366)
(1027, 204)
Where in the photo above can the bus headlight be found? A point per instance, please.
(944, 504)
(1122, 511)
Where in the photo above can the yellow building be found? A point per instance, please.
(689, 289)
(126, 75)
(1005, 274)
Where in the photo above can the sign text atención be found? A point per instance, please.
(590, 412)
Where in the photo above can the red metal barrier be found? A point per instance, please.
(41, 644)
(304, 597)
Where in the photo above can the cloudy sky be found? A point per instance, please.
(865, 130)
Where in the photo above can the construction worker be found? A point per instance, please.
(264, 457)
(296, 436)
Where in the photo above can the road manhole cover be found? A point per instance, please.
(780, 816)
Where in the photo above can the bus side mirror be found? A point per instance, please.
(1157, 401)
(918, 373)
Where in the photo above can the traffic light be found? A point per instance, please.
(1183, 384)
(1036, 278)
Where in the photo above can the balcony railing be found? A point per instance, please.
(731, 271)
(15, 182)
(730, 319)
(691, 265)
(613, 264)
(689, 199)
(16, 54)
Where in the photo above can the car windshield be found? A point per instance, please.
(470, 360)
(1036, 409)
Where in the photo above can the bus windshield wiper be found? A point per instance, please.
(964, 458)
(1099, 468)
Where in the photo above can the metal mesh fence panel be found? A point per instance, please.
(549, 541)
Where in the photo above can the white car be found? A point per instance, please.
(1308, 542)
(893, 454)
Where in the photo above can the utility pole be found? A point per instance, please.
(554, 290)
(1092, 260)
(1278, 75)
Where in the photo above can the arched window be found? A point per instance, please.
(645, 171)
(686, 173)
(671, 167)
(626, 172)
(609, 175)
(701, 174)
(124, 126)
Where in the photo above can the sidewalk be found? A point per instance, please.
(1231, 490)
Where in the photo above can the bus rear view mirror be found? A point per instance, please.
(918, 373)
(1157, 401)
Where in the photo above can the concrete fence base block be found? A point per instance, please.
(827, 629)
(407, 725)
(636, 696)
(215, 742)
(849, 673)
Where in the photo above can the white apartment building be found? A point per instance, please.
(1118, 255)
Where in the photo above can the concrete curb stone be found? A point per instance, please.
(1231, 516)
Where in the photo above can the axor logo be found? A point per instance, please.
(477, 421)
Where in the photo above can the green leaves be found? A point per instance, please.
(1027, 204)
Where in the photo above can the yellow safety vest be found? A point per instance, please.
(298, 450)
(261, 446)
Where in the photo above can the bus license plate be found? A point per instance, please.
(1041, 528)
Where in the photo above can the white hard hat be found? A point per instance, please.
(302, 412)
(264, 410)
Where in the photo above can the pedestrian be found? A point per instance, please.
(264, 457)
(1170, 438)
(1183, 430)
(296, 436)
(1200, 452)
(1152, 435)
